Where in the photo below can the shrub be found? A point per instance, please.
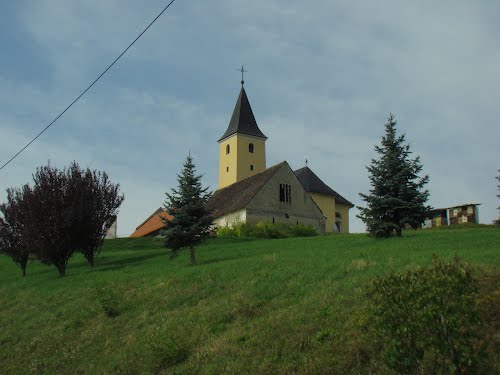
(427, 319)
(265, 230)
(108, 300)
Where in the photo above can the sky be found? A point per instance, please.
(322, 77)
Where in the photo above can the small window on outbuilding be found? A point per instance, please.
(228, 149)
(250, 148)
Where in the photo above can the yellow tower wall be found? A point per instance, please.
(240, 159)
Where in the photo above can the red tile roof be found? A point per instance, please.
(152, 223)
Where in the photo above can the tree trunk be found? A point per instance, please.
(62, 269)
(23, 264)
(193, 256)
(90, 259)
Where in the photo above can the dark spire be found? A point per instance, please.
(243, 120)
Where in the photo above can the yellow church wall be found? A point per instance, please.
(235, 165)
(327, 205)
(343, 210)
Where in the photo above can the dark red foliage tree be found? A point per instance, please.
(13, 227)
(66, 211)
(97, 201)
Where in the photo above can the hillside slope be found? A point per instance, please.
(249, 306)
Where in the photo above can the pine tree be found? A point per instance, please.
(397, 199)
(497, 221)
(192, 221)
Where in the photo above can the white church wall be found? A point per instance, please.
(111, 233)
(227, 220)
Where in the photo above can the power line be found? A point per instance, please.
(89, 87)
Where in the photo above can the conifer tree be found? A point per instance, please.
(397, 198)
(187, 204)
(497, 221)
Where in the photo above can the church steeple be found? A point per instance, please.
(243, 120)
(242, 151)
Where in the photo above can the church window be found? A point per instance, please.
(250, 148)
(227, 149)
(251, 167)
(286, 193)
(227, 169)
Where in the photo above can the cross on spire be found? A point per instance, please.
(307, 162)
(242, 70)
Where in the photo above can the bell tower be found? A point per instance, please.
(242, 148)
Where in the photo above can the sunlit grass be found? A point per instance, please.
(248, 306)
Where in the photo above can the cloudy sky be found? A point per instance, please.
(322, 78)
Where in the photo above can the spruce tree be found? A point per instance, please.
(191, 221)
(397, 198)
(497, 221)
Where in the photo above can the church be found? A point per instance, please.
(250, 192)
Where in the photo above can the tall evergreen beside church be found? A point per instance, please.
(191, 221)
(397, 196)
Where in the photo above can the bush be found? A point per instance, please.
(109, 300)
(265, 230)
(427, 319)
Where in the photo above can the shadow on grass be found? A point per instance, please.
(218, 260)
(114, 264)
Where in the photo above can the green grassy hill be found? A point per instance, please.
(249, 306)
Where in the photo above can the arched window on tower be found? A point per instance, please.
(250, 148)
(227, 149)
(251, 167)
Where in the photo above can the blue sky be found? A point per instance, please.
(322, 79)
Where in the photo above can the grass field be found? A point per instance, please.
(249, 306)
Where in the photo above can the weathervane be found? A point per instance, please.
(307, 161)
(243, 71)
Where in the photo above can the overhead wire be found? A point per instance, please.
(88, 88)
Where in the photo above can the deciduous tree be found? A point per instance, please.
(13, 227)
(97, 201)
(65, 211)
(397, 197)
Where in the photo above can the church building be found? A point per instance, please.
(250, 192)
